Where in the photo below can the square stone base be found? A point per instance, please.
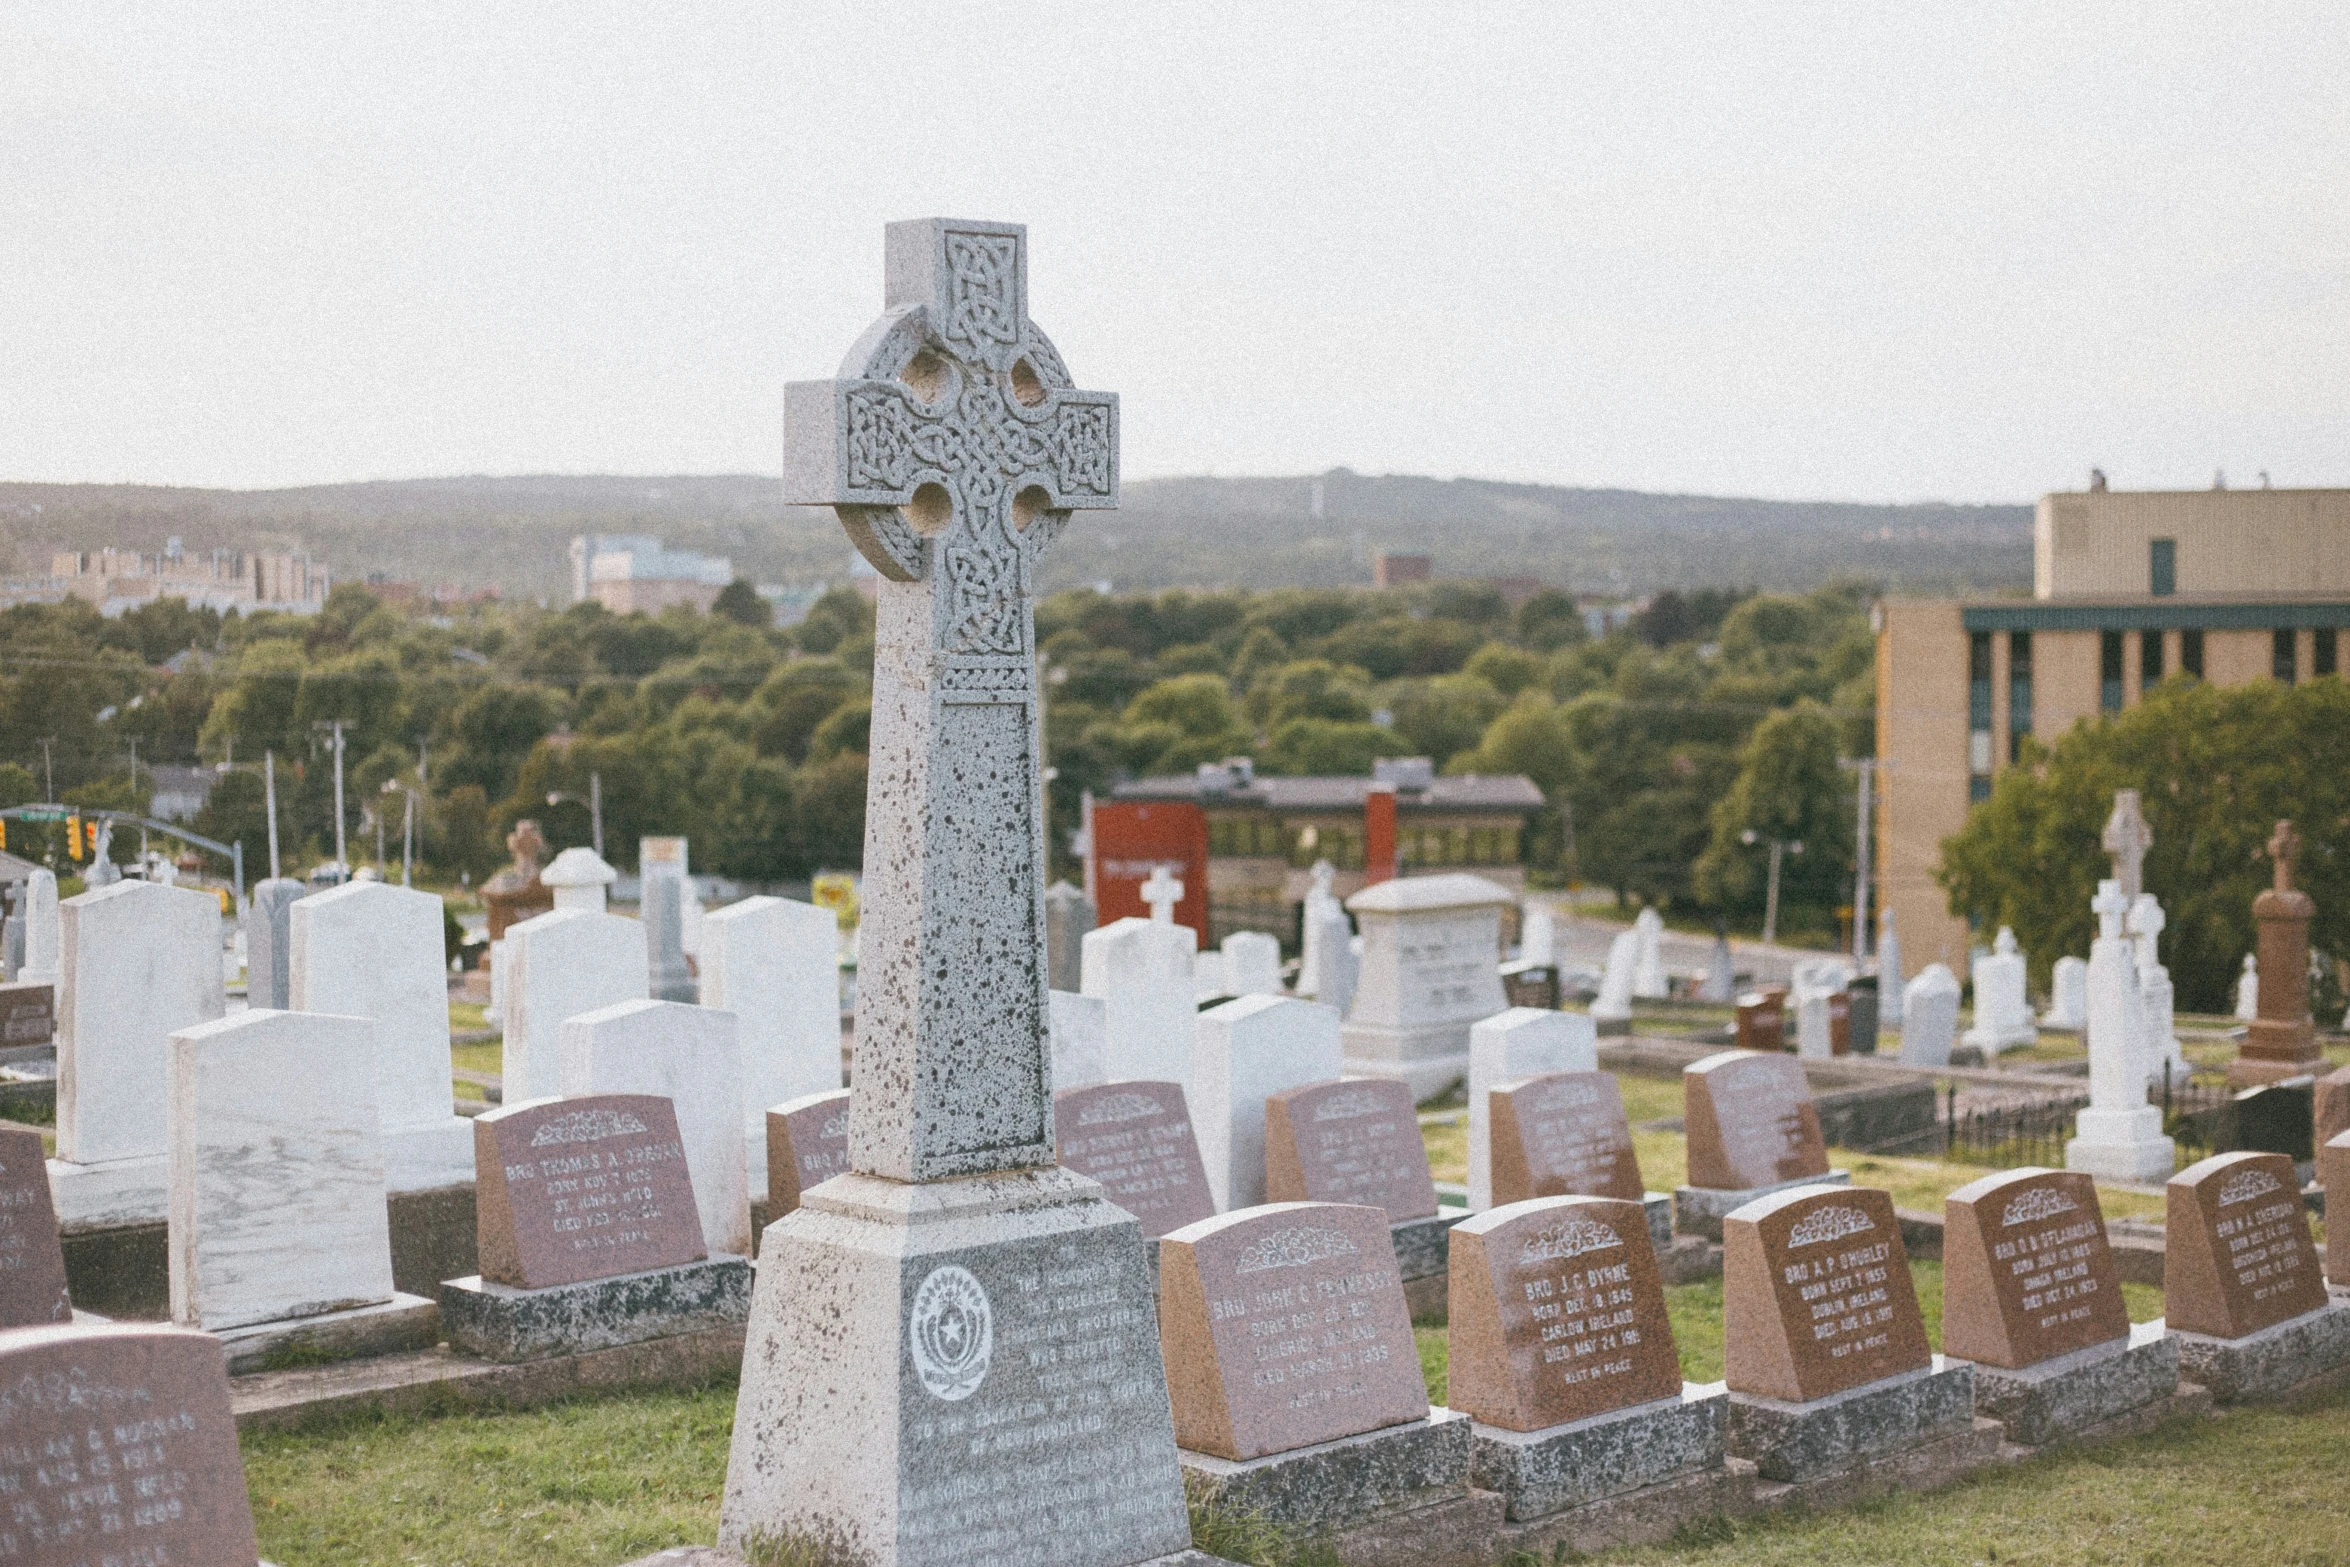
(1799, 1442)
(2068, 1395)
(1609, 1026)
(107, 1196)
(1429, 1061)
(1631, 1518)
(1538, 1473)
(711, 1556)
(1338, 1485)
(2264, 1367)
(1698, 1210)
(1423, 1247)
(402, 1323)
(1660, 1219)
(427, 1158)
(2125, 1146)
(2252, 1072)
(1940, 1460)
(498, 1322)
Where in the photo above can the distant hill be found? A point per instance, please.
(514, 532)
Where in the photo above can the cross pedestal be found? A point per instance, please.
(952, 1355)
(2281, 1042)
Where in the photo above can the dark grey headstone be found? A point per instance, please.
(2273, 1118)
(1864, 1016)
(269, 942)
(1068, 915)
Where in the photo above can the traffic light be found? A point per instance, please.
(3, 835)
(73, 836)
(91, 828)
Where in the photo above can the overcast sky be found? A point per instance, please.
(1868, 252)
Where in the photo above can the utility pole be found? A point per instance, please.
(134, 764)
(342, 863)
(596, 812)
(49, 766)
(408, 842)
(1866, 766)
(269, 804)
(1779, 846)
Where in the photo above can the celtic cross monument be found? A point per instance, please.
(953, 1355)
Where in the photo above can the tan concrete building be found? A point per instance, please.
(2129, 589)
(121, 580)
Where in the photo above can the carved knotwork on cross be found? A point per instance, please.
(2284, 847)
(2127, 838)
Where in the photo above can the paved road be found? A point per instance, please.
(1583, 942)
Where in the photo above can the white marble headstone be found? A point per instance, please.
(686, 1054)
(1250, 1048)
(1431, 967)
(2003, 1015)
(2120, 1134)
(1080, 1039)
(1614, 1001)
(558, 965)
(1509, 1045)
(773, 963)
(43, 936)
(1929, 1016)
(2068, 994)
(1649, 982)
(579, 879)
(2248, 989)
(1537, 932)
(1890, 992)
(142, 962)
(1252, 964)
(1141, 970)
(661, 909)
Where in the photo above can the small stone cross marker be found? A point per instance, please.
(2127, 838)
(1162, 892)
(953, 448)
(2284, 848)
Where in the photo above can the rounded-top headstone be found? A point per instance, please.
(2237, 1256)
(1557, 1313)
(2027, 1274)
(1356, 1140)
(588, 1187)
(1750, 1121)
(1284, 1326)
(1816, 1294)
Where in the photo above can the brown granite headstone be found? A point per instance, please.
(1284, 1326)
(32, 1262)
(1840, 1022)
(1561, 1134)
(515, 893)
(2331, 1106)
(584, 1188)
(2026, 1271)
(1356, 1140)
(2333, 1173)
(1750, 1121)
(2236, 1255)
(1762, 1019)
(1816, 1294)
(807, 1144)
(28, 1014)
(117, 1445)
(1136, 1139)
(2282, 1041)
(1557, 1313)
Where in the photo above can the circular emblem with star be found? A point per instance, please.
(951, 1333)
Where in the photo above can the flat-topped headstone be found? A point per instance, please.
(117, 1445)
(1816, 1294)
(277, 1185)
(1762, 1019)
(1517, 1043)
(32, 1263)
(1136, 1139)
(2026, 1271)
(1537, 932)
(44, 934)
(372, 950)
(1557, 1313)
(1750, 1122)
(1249, 1049)
(1081, 1037)
(1141, 972)
(1252, 964)
(558, 965)
(774, 963)
(141, 963)
(661, 890)
(1431, 954)
(28, 1014)
(1068, 915)
(268, 942)
(2333, 1175)
(687, 1055)
(1562, 1134)
(1356, 1141)
(2237, 1255)
(586, 1188)
(1283, 1326)
(807, 1145)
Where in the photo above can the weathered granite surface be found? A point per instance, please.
(1794, 1442)
(387, 1327)
(1698, 1210)
(2266, 1365)
(1335, 1485)
(2067, 1394)
(1421, 1244)
(1542, 1472)
(499, 1323)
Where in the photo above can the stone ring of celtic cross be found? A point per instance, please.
(951, 1333)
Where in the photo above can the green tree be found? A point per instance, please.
(1789, 788)
(1305, 746)
(841, 615)
(740, 602)
(1549, 621)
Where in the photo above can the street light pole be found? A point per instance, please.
(596, 811)
(1779, 846)
(342, 860)
(269, 804)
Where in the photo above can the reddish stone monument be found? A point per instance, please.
(117, 1445)
(32, 1263)
(1353, 1141)
(2280, 1042)
(2331, 1110)
(2026, 1271)
(2237, 1256)
(1750, 1122)
(1284, 1326)
(807, 1145)
(516, 893)
(1558, 1313)
(2333, 1173)
(1816, 1294)
(1562, 1134)
(1136, 1139)
(28, 1014)
(1762, 1019)
(568, 1190)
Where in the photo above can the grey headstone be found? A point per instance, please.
(661, 904)
(269, 938)
(1068, 915)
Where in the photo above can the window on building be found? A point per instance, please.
(2280, 654)
(2191, 652)
(2162, 567)
(1978, 789)
(2149, 660)
(2019, 691)
(2321, 652)
(2109, 671)
(1978, 702)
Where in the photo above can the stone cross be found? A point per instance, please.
(2127, 838)
(2284, 848)
(953, 448)
(1162, 892)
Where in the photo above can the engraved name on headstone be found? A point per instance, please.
(28, 1014)
(1357, 1141)
(1816, 1294)
(1136, 1139)
(807, 1145)
(2026, 1271)
(587, 1188)
(1750, 1121)
(2237, 1255)
(1562, 1134)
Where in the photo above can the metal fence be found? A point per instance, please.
(2196, 1114)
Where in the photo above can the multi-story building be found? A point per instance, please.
(120, 580)
(632, 572)
(2129, 589)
